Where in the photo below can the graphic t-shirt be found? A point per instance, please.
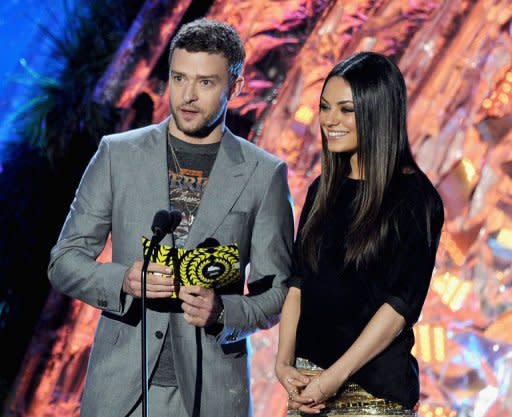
(189, 168)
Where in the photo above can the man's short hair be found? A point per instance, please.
(213, 37)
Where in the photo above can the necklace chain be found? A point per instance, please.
(173, 154)
(190, 213)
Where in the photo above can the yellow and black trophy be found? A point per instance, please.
(210, 265)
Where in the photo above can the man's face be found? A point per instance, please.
(199, 90)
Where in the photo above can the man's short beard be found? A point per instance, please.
(201, 132)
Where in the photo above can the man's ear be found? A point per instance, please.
(236, 87)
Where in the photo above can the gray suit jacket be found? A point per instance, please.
(247, 201)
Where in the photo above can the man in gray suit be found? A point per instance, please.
(227, 189)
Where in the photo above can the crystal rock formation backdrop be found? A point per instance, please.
(456, 59)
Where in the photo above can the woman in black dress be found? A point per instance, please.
(364, 255)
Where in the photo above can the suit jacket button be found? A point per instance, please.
(159, 334)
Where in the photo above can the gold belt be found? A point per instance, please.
(351, 399)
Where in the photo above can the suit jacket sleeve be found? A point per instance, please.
(73, 269)
(270, 262)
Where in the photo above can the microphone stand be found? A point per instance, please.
(144, 343)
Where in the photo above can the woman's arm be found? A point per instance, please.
(377, 335)
(291, 379)
(288, 328)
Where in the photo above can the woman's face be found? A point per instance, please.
(337, 117)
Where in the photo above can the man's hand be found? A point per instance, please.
(200, 305)
(160, 281)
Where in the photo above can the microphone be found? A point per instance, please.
(208, 243)
(161, 225)
(174, 220)
(164, 222)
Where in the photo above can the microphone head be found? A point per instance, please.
(161, 224)
(209, 242)
(174, 220)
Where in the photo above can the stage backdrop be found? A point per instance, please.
(456, 58)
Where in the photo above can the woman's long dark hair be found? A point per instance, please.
(380, 105)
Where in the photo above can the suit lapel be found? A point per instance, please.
(226, 182)
(153, 175)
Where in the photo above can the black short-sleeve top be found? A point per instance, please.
(339, 301)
